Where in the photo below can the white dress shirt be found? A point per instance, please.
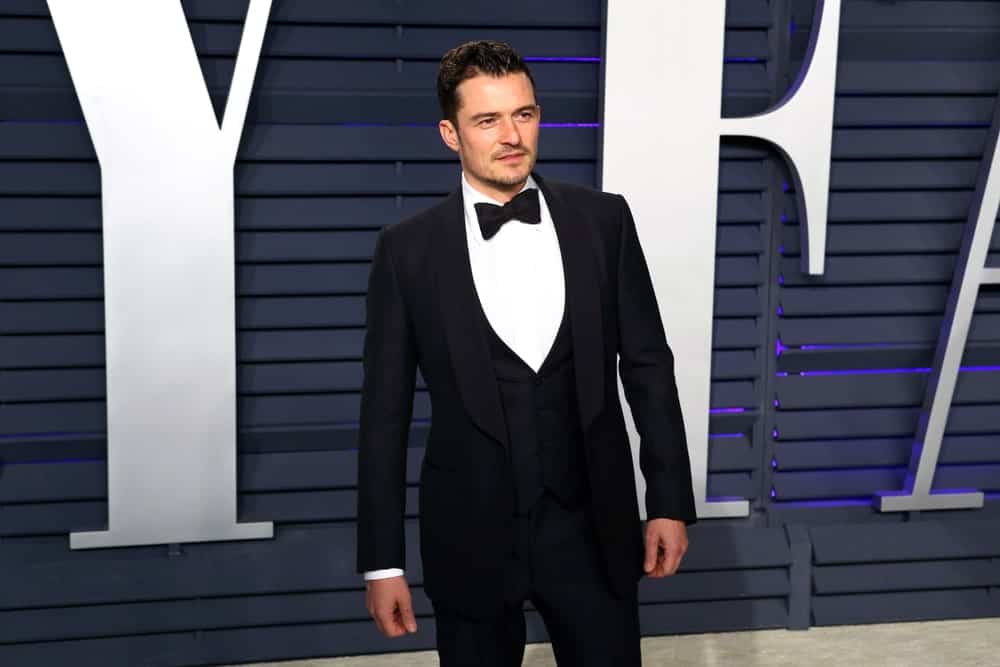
(518, 275)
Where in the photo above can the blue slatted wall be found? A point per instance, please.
(340, 141)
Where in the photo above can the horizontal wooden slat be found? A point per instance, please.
(882, 110)
(904, 606)
(284, 312)
(50, 283)
(292, 179)
(36, 35)
(880, 356)
(875, 269)
(867, 330)
(810, 301)
(29, 103)
(872, 14)
(252, 411)
(803, 392)
(77, 179)
(825, 484)
(966, 573)
(21, 386)
(916, 540)
(917, 77)
(877, 422)
(286, 142)
(879, 452)
(358, 76)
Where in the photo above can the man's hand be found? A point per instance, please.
(666, 543)
(388, 601)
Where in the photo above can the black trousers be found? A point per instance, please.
(556, 565)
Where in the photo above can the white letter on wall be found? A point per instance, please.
(663, 86)
(971, 273)
(169, 265)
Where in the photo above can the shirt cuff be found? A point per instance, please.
(383, 574)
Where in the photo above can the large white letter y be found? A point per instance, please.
(169, 265)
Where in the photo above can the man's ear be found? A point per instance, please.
(449, 134)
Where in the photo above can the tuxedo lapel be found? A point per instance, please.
(467, 342)
(584, 298)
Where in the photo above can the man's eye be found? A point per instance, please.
(486, 122)
(527, 115)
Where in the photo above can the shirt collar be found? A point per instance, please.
(472, 196)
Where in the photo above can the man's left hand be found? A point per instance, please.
(666, 543)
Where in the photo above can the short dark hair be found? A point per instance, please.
(471, 59)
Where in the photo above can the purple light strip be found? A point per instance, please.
(852, 346)
(718, 411)
(595, 59)
(367, 124)
(712, 436)
(46, 461)
(562, 59)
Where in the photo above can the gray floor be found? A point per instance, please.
(933, 644)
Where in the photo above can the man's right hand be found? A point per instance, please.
(388, 601)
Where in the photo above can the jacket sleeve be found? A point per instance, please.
(646, 367)
(389, 360)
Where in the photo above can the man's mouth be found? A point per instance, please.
(511, 156)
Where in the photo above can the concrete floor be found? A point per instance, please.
(972, 643)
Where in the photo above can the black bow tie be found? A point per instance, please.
(524, 207)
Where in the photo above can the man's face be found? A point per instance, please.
(497, 133)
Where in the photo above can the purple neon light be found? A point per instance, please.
(852, 346)
(718, 411)
(562, 59)
(45, 461)
(595, 59)
(372, 124)
(713, 436)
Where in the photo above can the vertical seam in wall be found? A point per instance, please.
(780, 76)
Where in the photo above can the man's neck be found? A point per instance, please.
(492, 191)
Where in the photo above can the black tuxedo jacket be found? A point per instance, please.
(420, 311)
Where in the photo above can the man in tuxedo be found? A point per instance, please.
(514, 296)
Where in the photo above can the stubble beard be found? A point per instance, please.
(501, 180)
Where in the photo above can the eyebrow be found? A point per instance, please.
(494, 114)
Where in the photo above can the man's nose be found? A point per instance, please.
(509, 133)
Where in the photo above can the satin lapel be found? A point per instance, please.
(467, 342)
(583, 293)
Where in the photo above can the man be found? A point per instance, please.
(514, 296)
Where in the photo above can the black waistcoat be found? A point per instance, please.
(542, 417)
